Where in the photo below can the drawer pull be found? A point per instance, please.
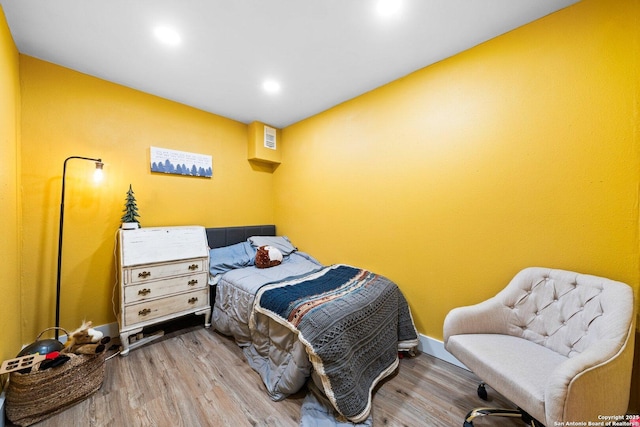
(192, 282)
(194, 267)
(193, 300)
(144, 274)
(144, 291)
(144, 312)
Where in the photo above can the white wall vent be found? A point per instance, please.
(269, 138)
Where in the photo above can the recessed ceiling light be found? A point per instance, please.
(271, 86)
(388, 8)
(167, 35)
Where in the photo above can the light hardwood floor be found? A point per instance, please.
(197, 377)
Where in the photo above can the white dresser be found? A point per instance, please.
(163, 275)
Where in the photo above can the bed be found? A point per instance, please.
(339, 325)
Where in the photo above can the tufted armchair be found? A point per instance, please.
(558, 344)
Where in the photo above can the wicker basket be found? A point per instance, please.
(38, 395)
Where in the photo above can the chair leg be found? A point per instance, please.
(482, 391)
(498, 412)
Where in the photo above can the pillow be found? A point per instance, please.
(282, 243)
(227, 258)
(268, 256)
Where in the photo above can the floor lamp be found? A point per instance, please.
(97, 176)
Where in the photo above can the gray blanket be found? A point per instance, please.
(352, 323)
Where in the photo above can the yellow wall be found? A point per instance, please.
(10, 313)
(65, 113)
(521, 151)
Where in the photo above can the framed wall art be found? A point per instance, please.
(164, 160)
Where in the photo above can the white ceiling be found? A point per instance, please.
(323, 52)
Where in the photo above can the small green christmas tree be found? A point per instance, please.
(130, 208)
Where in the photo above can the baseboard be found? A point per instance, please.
(109, 330)
(435, 348)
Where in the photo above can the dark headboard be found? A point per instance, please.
(225, 236)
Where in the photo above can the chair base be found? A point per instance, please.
(498, 412)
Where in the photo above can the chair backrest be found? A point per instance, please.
(565, 311)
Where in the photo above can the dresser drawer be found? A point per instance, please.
(144, 311)
(156, 289)
(153, 272)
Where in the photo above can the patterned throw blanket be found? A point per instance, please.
(352, 322)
